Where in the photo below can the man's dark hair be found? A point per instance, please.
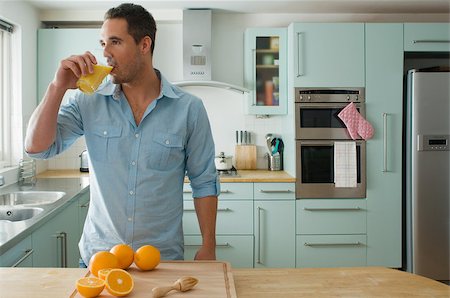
(140, 22)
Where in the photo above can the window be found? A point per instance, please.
(7, 106)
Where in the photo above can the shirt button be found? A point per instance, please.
(136, 135)
(133, 163)
(130, 219)
(105, 132)
(131, 192)
(167, 142)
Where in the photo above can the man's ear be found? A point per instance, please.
(146, 44)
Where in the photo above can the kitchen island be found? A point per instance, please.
(307, 282)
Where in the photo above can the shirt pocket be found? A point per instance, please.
(105, 141)
(165, 152)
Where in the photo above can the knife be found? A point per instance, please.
(245, 137)
(241, 136)
(237, 137)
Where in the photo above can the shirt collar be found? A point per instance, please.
(108, 88)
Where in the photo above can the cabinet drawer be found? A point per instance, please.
(238, 250)
(20, 255)
(427, 37)
(331, 251)
(274, 191)
(228, 191)
(331, 217)
(232, 218)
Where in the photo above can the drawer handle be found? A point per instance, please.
(226, 244)
(431, 41)
(332, 209)
(222, 191)
(333, 244)
(275, 191)
(28, 253)
(219, 210)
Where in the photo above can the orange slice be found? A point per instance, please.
(118, 282)
(90, 286)
(103, 272)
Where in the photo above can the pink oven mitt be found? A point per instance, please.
(356, 124)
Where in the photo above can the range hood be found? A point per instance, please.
(197, 52)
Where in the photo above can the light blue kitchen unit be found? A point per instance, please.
(427, 37)
(326, 54)
(20, 255)
(265, 70)
(384, 89)
(55, 45)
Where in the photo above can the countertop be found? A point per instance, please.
(243, 176)
(251, 283)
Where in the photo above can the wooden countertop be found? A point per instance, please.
(243, 175)
(254, 283)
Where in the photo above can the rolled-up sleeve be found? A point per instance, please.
(200, 166)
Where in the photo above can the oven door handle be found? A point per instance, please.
(385, 143)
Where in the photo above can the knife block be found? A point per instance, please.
(245, 157)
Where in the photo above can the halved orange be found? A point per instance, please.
(124, 254)
(90, 286)
(103, 272)
(118, 282)
(147, 257)
(102, 260)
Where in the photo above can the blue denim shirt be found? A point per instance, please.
(137, 172)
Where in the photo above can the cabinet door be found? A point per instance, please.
(326, 55)
(265, 70)
(55, 243)
(21, 255)
(384, 87)
(238, 250)
(274, 234)
(83, 207)
(430, 37)
(56, 44)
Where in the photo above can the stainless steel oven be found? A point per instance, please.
(316, 111)
(315, 171)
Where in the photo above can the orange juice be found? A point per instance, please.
(90, 82)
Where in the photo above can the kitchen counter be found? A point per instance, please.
(243, 176)
(12, 232)
(250, 283)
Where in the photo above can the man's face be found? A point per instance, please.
(120, 50)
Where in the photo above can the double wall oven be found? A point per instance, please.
(318, 128)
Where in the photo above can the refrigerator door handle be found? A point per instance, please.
(385, 146)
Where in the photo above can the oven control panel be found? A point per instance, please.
(329, 94)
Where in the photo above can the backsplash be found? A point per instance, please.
(226, 114)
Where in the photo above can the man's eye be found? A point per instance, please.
(115, 42)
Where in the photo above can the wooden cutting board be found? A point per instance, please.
(245, 156)
(215, 279)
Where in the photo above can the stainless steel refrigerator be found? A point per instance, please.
(427, 177)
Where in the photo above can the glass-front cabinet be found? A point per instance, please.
(265, 70)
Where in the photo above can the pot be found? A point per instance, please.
(84, 161)
(223, 163)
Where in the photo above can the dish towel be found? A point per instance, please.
(345, 164)
(355, 122)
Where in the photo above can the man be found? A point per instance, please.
(142, 134)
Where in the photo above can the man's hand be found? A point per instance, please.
(205, 253)
(71, 68)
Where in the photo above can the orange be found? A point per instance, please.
(118, 282)
(147, 257)
(124, 254)
(90, 286)
(103, 272)
(102, 260)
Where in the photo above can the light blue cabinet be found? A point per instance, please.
(56, 44)
(427, 37)
(21, 255)
(55, 243)
(384, 87)
(265, 70)
(326, 54)
(274, 215)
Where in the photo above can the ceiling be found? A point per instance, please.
(264, 6)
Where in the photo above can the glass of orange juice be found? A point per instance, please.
(89, 83)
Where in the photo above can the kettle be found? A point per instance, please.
(84, 161)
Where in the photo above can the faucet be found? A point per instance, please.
(2, 180)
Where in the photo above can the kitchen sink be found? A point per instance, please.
(30, 198)
(18, 213)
